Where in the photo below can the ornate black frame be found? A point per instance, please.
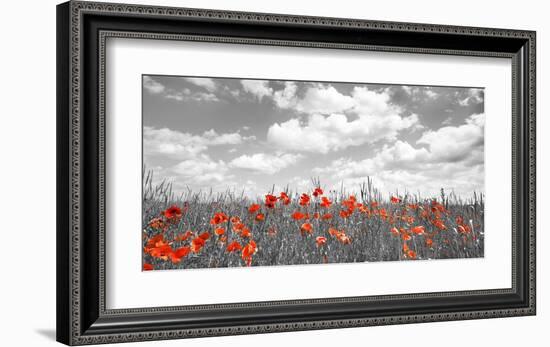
(82, 30)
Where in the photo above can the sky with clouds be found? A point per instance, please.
(253, 135)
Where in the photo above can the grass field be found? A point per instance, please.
(206, 230)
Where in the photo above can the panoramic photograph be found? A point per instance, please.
(251, 172)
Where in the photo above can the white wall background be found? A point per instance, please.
(27, 192)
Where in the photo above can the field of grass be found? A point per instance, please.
(206, 230)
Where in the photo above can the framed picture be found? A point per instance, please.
(227, 173)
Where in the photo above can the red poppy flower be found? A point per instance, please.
(185, 236)
(325, 202)
(411, 254)
(439, 224)
(333, 231)
(246, 233)
(235, 220)
(320, 240)
(205, 235)
(418, 230)
(394, 231)
(304, 199)
(233, 247)
(219, 218)
(395, 200)
(437, 207)
(306, 228)
(219, 231)
(408, 219)
(345, 213)
(363, 209)
(429, 242)
(340, 235)
(155, 241)
(253, 208)
(260, 217)
(343, 238)
(172, 213)
(238, 227)
(464, 229)
(197, 244)
(413, 206)
(327, 216)
(248, 252)
(270, 201)
(148, 267)
(317, 192)
(350, 202)
(162, 252)
(284, 198)
(298, 215)
(157, 223)
(180, 253)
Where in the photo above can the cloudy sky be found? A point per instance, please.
(249, 135)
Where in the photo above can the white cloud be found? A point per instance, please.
(265, 163)
(419, 93)
(152, 86)
(213, 138)
(210, 97)
(200, 170)
(194, 175)
(430, 93)
(324, 100)
(171, 143)
(317, 98)
(187, 95)
(452, 160)
(337, 121)
(448, 120)
(180, 145)
(206, 83)
(195, 169)
(286, 97)
(257, 87)
(460, 180)
(455, 143)
(399, 155)
(299, 184)
(235, 94)
(368, 102)
(325, 134)
(155, 87)
(474, 96)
